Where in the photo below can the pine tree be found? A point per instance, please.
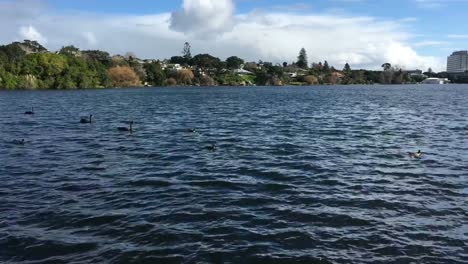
(347, 69)
(326, 67)
(302, 59)
(186, 53)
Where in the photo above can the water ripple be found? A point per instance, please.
(300, 175)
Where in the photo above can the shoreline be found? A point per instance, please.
(232, 86)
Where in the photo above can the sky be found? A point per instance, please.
(412, 34)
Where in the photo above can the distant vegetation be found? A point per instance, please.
(28, 65)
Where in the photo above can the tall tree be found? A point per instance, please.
(326, 67)
(347, 69)
(386, 66)
(387, 74)
(302, 59)
(186, 53)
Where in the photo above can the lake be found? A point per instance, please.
(300, 175)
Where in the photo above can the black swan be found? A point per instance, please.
(30, 112)
(85, 120)
(126, 129)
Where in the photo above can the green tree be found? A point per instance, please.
(178, 60)
(302, 61)
(206, 61)
(101, 57)
(234, 62)
(154, 74)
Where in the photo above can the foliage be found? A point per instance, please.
(69, 50)
(207, 81)
(28, 65)
(234, 62)
(310, 80)
(154, 74)
(205, 61)
(171, 82)
(178, 60)
(185, 77)
(123, 76)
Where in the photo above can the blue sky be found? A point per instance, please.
(418, 33)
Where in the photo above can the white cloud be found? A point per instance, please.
(202, 17)
(458, 36)
(430, 43)
(437, 3)
(212, 27)
(30, 33)
(90, 38)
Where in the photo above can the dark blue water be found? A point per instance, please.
(301, 175)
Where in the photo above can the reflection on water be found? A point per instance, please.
(302, 175)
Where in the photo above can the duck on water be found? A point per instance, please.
(126, 129)
(212, 147)
(18, 142)
(415, 155)
(85, 120)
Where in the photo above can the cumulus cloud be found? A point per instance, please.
(201, 17)
(211, 26)
(29, 32)
(90, 38)
(360, 41)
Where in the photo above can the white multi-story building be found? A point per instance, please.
(458, 62)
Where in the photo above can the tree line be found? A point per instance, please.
(28, 65)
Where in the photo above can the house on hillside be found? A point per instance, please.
(170, 66)
(242, 72)
(415, 73)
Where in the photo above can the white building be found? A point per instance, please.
(435, 81)
(457, 62)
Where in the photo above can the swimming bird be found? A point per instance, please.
(30, 112)
(212, 147)
(18, 142)
(191, 130)
(126, 129)
(85, 120)
(415, 155)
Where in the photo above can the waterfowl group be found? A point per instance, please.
(212, 147)
(89, 120)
